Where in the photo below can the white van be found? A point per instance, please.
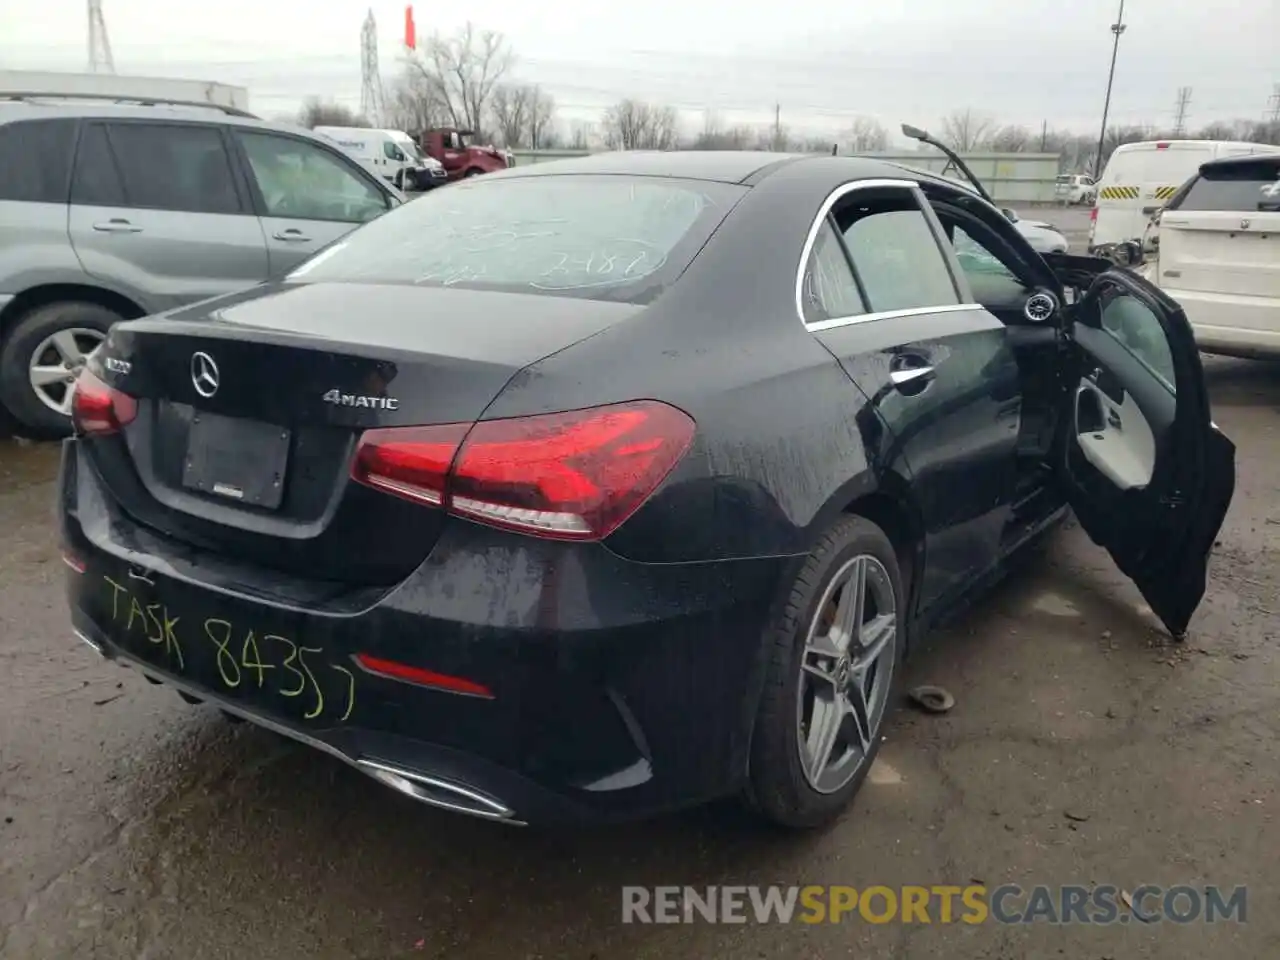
(391, 154)
(1219, 255)
(1141, 177)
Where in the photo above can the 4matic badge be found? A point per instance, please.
(340, 399)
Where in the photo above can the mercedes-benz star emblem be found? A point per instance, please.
(204, 374)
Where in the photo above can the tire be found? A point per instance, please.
(472, 172)
(778, 787)
(36, 418)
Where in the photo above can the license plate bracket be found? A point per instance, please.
(235, 459)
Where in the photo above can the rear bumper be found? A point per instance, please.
(1227, 323)
(619, 690)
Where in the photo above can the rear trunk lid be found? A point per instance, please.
(1221, 235)
(250, 408)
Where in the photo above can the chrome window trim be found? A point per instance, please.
(835, 322)
(834, 197)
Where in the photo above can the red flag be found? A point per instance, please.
(410, 29)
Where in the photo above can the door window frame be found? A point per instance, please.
(255, 193)
(107, 123)
(964, 295)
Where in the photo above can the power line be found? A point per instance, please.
(1180, 111)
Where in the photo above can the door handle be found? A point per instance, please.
(116, 225)
(292, 236)
(1113, 419)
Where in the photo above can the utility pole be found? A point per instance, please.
(777, 126)
(1044, 135)
(1117, 28)
(1180, 112)
(1274, 102)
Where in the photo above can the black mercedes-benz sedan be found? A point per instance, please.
(594, 489)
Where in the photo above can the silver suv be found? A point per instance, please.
(111, 211)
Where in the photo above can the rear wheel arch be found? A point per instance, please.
(27, 325)
(46, 294)
(894, 513)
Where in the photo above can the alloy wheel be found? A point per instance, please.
(846, 673)
(56, 363)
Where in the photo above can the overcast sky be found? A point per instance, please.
(823, 61)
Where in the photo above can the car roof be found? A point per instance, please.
(726, 166)
(1227, 163)
(41, 109)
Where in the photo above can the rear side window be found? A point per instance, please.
(830, 289)
(97, 181)
(1248, 186)
(590, 236)
(35, 160)
(174, 167)
(895, 252)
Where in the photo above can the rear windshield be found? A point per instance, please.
(1064, 179)
(596, 237)
(1250, 186)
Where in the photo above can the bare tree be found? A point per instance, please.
(414, 105)
(714, 136)
(635, 125)
(866, 135)
(524, 114)
(775, 138)
(462, 71)
(542, 116)
(328, 113)
(1011, 138)
(510, 107)
(965, 131)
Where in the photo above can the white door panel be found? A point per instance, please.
(1115, 438)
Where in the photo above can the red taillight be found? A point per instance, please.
(1093, 215)
(98, 408)
(571, 476)
(1162, 146)
(411, 462)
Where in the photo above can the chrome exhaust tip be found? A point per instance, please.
(435, 792)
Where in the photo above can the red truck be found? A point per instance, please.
(459, 155)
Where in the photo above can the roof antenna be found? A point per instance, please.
(915, 133)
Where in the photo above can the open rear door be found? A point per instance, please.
(1149, 476)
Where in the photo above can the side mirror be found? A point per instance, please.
(1009, 215)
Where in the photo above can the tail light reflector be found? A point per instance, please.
(97, 408)
(423, 677)
(569, 476)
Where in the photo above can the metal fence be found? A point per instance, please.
(1009, 177)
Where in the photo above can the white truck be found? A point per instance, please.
(391, 154)
(1141, 177)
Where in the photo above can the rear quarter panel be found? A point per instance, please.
(35, 247)
(784, 438)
